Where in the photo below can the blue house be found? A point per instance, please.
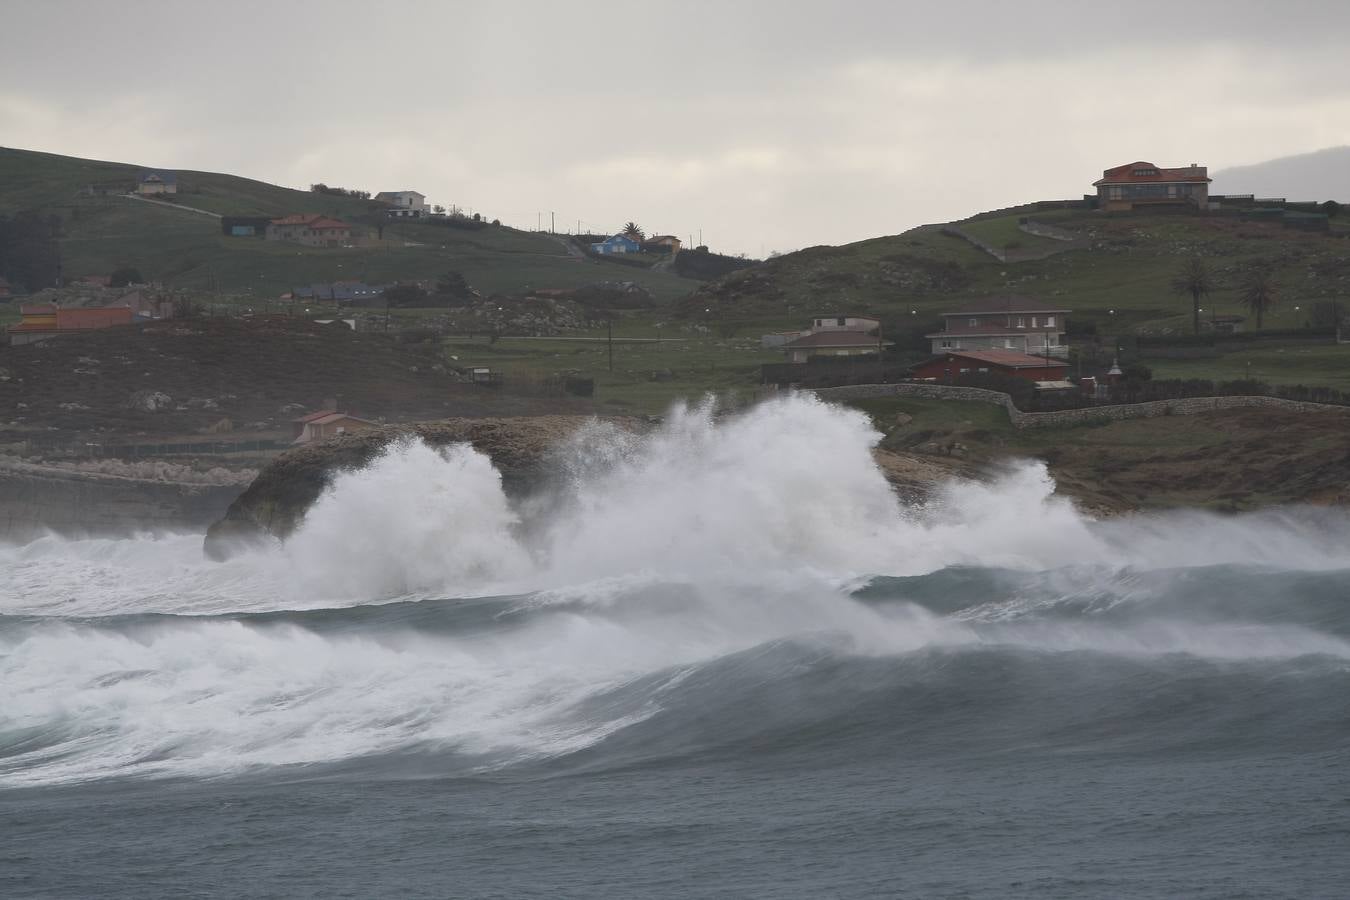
(620, 243)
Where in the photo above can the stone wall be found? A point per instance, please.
(35, 500)
(1184, 407)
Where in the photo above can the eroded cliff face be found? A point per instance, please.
(276, 502)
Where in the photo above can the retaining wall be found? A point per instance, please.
(1188, 406)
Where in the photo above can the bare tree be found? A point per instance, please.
(1193, 279)
(1259, 293)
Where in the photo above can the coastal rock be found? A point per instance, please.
(520, 448)
(276, 502)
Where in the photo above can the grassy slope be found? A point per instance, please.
(1128, 268)
(186, 250)
(691, 366)
(1120, 283)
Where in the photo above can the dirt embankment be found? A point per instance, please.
(225, 375)
(1232, 461)
(1227, 460)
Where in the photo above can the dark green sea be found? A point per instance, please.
(717, 661)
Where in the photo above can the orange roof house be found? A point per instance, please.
(44, 322)
(1142, 184)
(327, 423)
(310, 229)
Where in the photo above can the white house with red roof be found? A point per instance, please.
(1022, 324)
(1142, 184)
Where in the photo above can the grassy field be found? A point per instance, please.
(690, 365)
(1325, 365)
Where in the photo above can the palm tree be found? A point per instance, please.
(1259, 292)
(1193, 279)
(633, 231)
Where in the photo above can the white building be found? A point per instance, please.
(1022, 324)
(406, 204)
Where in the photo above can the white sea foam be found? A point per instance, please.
(656, 553)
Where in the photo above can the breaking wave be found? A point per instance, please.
(723, 584)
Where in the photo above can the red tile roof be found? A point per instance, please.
(834, 339)
(1008, 359)
(326, 224)
(1148, 173)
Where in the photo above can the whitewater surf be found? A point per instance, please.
(717, 659)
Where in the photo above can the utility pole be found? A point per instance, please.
(552, 225)
(538, 220)
(609, 322)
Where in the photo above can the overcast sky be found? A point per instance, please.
(768, 125)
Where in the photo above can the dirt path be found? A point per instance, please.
(191, 209)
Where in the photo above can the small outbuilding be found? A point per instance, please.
(157, 182)
(327, 423)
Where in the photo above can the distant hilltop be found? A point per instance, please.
(1324, 174)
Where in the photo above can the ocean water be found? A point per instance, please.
(721, 660)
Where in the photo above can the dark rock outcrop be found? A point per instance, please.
(276, 502)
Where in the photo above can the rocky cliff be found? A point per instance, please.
(520, 448)
(276, 501)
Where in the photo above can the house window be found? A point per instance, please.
(984, 369)
(840, 321)
(1033, 321)
(1021, 322)
(965, 370)
(1049, 321)
(973, 322)
(946, 344)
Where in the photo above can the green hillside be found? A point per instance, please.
(1117, 276)
(186, 249)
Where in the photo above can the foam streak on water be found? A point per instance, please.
(730, 549)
